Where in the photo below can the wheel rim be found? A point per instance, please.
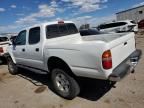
(62, 83)
(11, 66)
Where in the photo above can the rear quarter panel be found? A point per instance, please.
(83, 59)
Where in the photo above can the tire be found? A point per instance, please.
(64, 85)
(13, 69)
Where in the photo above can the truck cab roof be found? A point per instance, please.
(47, 23)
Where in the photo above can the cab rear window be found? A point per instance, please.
(58, 30)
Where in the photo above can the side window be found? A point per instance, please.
(120, 24)
(21, 38)
(34, 35)
(110, 25)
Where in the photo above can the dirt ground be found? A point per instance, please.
(29, 90)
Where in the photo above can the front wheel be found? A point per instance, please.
(65, 85)
(13, 69)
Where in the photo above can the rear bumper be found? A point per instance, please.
(126, 66)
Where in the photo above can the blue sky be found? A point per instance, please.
(17, 14)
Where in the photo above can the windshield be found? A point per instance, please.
(58, 30)
(3, 39)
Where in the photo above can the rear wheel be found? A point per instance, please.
(13, 69)
(65, 85)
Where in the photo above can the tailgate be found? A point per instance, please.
(4, 45)
(121, 48)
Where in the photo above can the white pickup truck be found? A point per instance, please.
(57, 48)
(4, 43)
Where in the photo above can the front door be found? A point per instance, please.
(19, 48)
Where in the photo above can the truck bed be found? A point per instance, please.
(120, 44)
(104, 37)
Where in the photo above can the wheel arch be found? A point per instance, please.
(8, 55)
(56, 62)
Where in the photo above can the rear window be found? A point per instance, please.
(58, 30)
(3, 39)
(110, 25)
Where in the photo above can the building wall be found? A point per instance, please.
(135, 14)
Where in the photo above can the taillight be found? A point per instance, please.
(107, 60)
(1, 50)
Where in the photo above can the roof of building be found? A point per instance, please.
(130, 9)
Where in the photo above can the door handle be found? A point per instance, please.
(125, 43)
(23, 50)
(37, 49)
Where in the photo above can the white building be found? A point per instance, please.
(135, 14)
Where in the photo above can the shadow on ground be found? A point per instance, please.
(3, 61)
(91, 89)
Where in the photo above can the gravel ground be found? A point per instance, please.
(29, 90)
